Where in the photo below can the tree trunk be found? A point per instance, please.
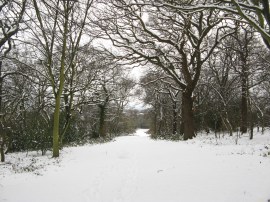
(262, 124)
(155, 121)
(102, 125)
(160, 120)
(174, 118)
(2, 146)
(68, 106)
(250, 120)
(187, 116)
(2, 138)
(251, 128)
(227, 124)
(244, 103)
(60, 90)
(2, 154)
(56, 117)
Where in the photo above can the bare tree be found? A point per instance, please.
(247, 52)
(223, 83)
(112, 91)
(165, 36)
(165, 99)
(11, 15)
(234, 71)
(255, 13)
(60, 28)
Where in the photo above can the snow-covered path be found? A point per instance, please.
(138, 169)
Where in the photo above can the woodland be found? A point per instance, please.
(65, 70)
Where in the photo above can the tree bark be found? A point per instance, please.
(56, 126)
(226, 122)
(250, 119)
(174, 118)
(2, 154)
(102, 118)
(262, 124)
(187, 116)
(155, 121)
(3, 142)
(102, 124)
(244, 101)
(2, 135)
(68, 106)
(61, 86)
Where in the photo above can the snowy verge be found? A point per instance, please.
(136, 168)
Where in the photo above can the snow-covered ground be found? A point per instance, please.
(138, 169)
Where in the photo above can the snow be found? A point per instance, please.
(136, 168)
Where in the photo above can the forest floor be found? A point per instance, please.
(138, 169)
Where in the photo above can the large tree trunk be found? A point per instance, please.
(187, 116)
(57, 108)
(56, 118)
(244, 102)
